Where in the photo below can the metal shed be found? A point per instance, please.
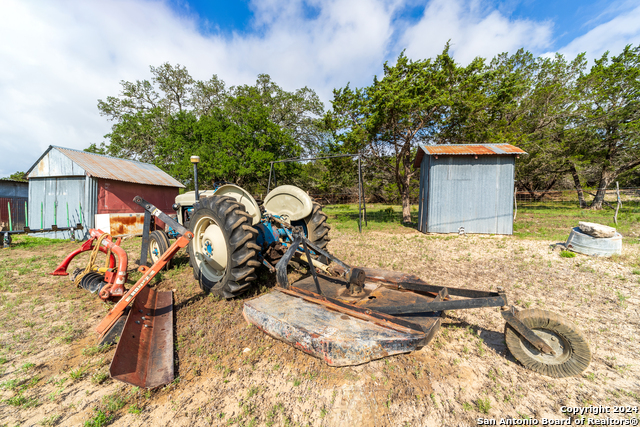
(69, 186)
(469, 186)
(13, 197)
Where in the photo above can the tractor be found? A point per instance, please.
(234, 234)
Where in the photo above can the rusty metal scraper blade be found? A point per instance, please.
(144, 356)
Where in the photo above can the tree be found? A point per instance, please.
(233, 146)
(545, 125)
(298, 112)
(609, 130)
(529, 102)
(410, 104)
(17, 176)
(145, 111)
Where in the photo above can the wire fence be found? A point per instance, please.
(16, 206)
(336, 198)
(628, 196)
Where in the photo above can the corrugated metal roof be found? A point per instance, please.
(99, 166)
(466, 150)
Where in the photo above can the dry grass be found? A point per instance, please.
(52, 373)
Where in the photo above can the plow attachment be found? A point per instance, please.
(144, 356)
(142, 318)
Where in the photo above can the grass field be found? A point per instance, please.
(231, 374)
(534, 220)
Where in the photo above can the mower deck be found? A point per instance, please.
(337, 327)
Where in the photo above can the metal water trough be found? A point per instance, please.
(583, 243)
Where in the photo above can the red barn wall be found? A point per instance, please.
(117, 197)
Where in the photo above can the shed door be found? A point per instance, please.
(49, 199)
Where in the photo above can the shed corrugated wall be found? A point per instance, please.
(462, 191)
(13, 196)
(54, 163)
(423, 198)
(15, 205)
(44, 193)
(117, 197)
(11, 189)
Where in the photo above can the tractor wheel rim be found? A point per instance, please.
(155, 251)
(559, 345)
(211, 249)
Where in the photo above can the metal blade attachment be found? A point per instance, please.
(144, 356)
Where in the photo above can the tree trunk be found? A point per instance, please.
(404, 180)
(541, 193)
(406, 205)
(405, 191)
(529, 189)
(578, 185)
(606, 178)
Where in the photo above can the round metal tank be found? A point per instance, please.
(589, 245)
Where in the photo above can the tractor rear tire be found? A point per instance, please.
(318, 229)
(572, 349)
(158, 245)
(223, 252)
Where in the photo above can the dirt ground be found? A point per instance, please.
(229, 373)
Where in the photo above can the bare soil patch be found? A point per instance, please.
(232, 374)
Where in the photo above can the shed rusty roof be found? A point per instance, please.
(466, 150)
(99, 166)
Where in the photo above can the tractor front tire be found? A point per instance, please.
(573, 354)
(318, 229)
(158, 245)
(223, 252)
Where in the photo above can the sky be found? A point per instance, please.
(59, 57)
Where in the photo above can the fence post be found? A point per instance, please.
(26, 215)
(359, 197)
(9, 210)
(270, 172)
(615, 217)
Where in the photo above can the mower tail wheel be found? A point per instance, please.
(158, 245)
(223, 252)
(317, 228)
(572, 354)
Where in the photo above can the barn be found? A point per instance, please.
(467, 188)
(13, 200)
(69, 186)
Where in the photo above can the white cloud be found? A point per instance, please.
(474, 30)
(612, 36)
(58, 58)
